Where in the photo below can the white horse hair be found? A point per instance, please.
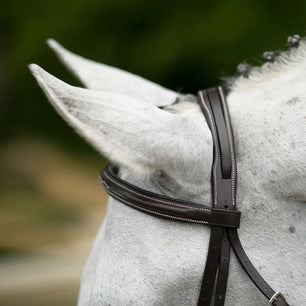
(139, 259)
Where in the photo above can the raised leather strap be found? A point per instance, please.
(163, 206)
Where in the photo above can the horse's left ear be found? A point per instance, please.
(128, 131)
(99, 76)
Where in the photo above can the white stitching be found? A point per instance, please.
(230, 136)
(157, 212)
(215, 140)
(156, 199)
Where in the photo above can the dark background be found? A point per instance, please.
(50, 198)
(183, 45)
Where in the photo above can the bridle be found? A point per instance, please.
(223, 217)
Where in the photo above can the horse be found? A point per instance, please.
(160, 142)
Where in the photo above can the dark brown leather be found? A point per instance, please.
(223, 180)
(223, 271)
(222, 216)
(211, 267)
(212, 98)
(163, 206)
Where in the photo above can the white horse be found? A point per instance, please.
(139, 259)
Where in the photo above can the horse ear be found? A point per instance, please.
(128, 131)
(102, 77)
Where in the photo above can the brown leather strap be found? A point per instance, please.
(214, 100)
(223, 271)
(223, 179)
(163, 206)
(212, 262)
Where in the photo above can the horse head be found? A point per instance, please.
(161, 142)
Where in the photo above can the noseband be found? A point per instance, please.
(223, 217)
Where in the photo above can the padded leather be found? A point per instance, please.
(163, 206)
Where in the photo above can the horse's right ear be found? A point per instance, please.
(126, 130)
(105, 78)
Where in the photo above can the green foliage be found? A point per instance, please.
(184, 45)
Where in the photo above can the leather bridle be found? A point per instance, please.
(223, 217)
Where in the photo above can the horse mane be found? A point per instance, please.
(284, 61)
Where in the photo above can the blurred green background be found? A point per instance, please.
(51, 202)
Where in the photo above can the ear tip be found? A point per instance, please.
(46, 79)
(40, 74)
(52, 43)
(34, 68)
(55, 46)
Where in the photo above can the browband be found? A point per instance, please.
(163, 206)
(223, 217)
